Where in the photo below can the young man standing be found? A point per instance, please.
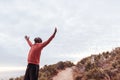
(34, 56)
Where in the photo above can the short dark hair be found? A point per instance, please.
(38, 40)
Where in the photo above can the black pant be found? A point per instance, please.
(31, 72)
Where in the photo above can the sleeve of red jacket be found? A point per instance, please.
(29, 42)
(48, 41)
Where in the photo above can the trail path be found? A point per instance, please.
(66, 74)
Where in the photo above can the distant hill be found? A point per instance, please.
(104, 66)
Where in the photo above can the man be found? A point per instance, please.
(34, 56)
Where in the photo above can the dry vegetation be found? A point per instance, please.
(105, 66)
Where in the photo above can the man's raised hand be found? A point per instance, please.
(55, 29)
(26, 37)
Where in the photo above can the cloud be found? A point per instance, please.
(84, 27)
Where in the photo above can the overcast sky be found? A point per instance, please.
(85, 27)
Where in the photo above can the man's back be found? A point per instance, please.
(34, 53)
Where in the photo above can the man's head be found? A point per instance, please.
(38, 40)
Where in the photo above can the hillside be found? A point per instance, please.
(104, 66)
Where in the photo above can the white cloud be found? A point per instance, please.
(83, 27)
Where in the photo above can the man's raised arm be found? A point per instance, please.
(51, 37)
(28, 41)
